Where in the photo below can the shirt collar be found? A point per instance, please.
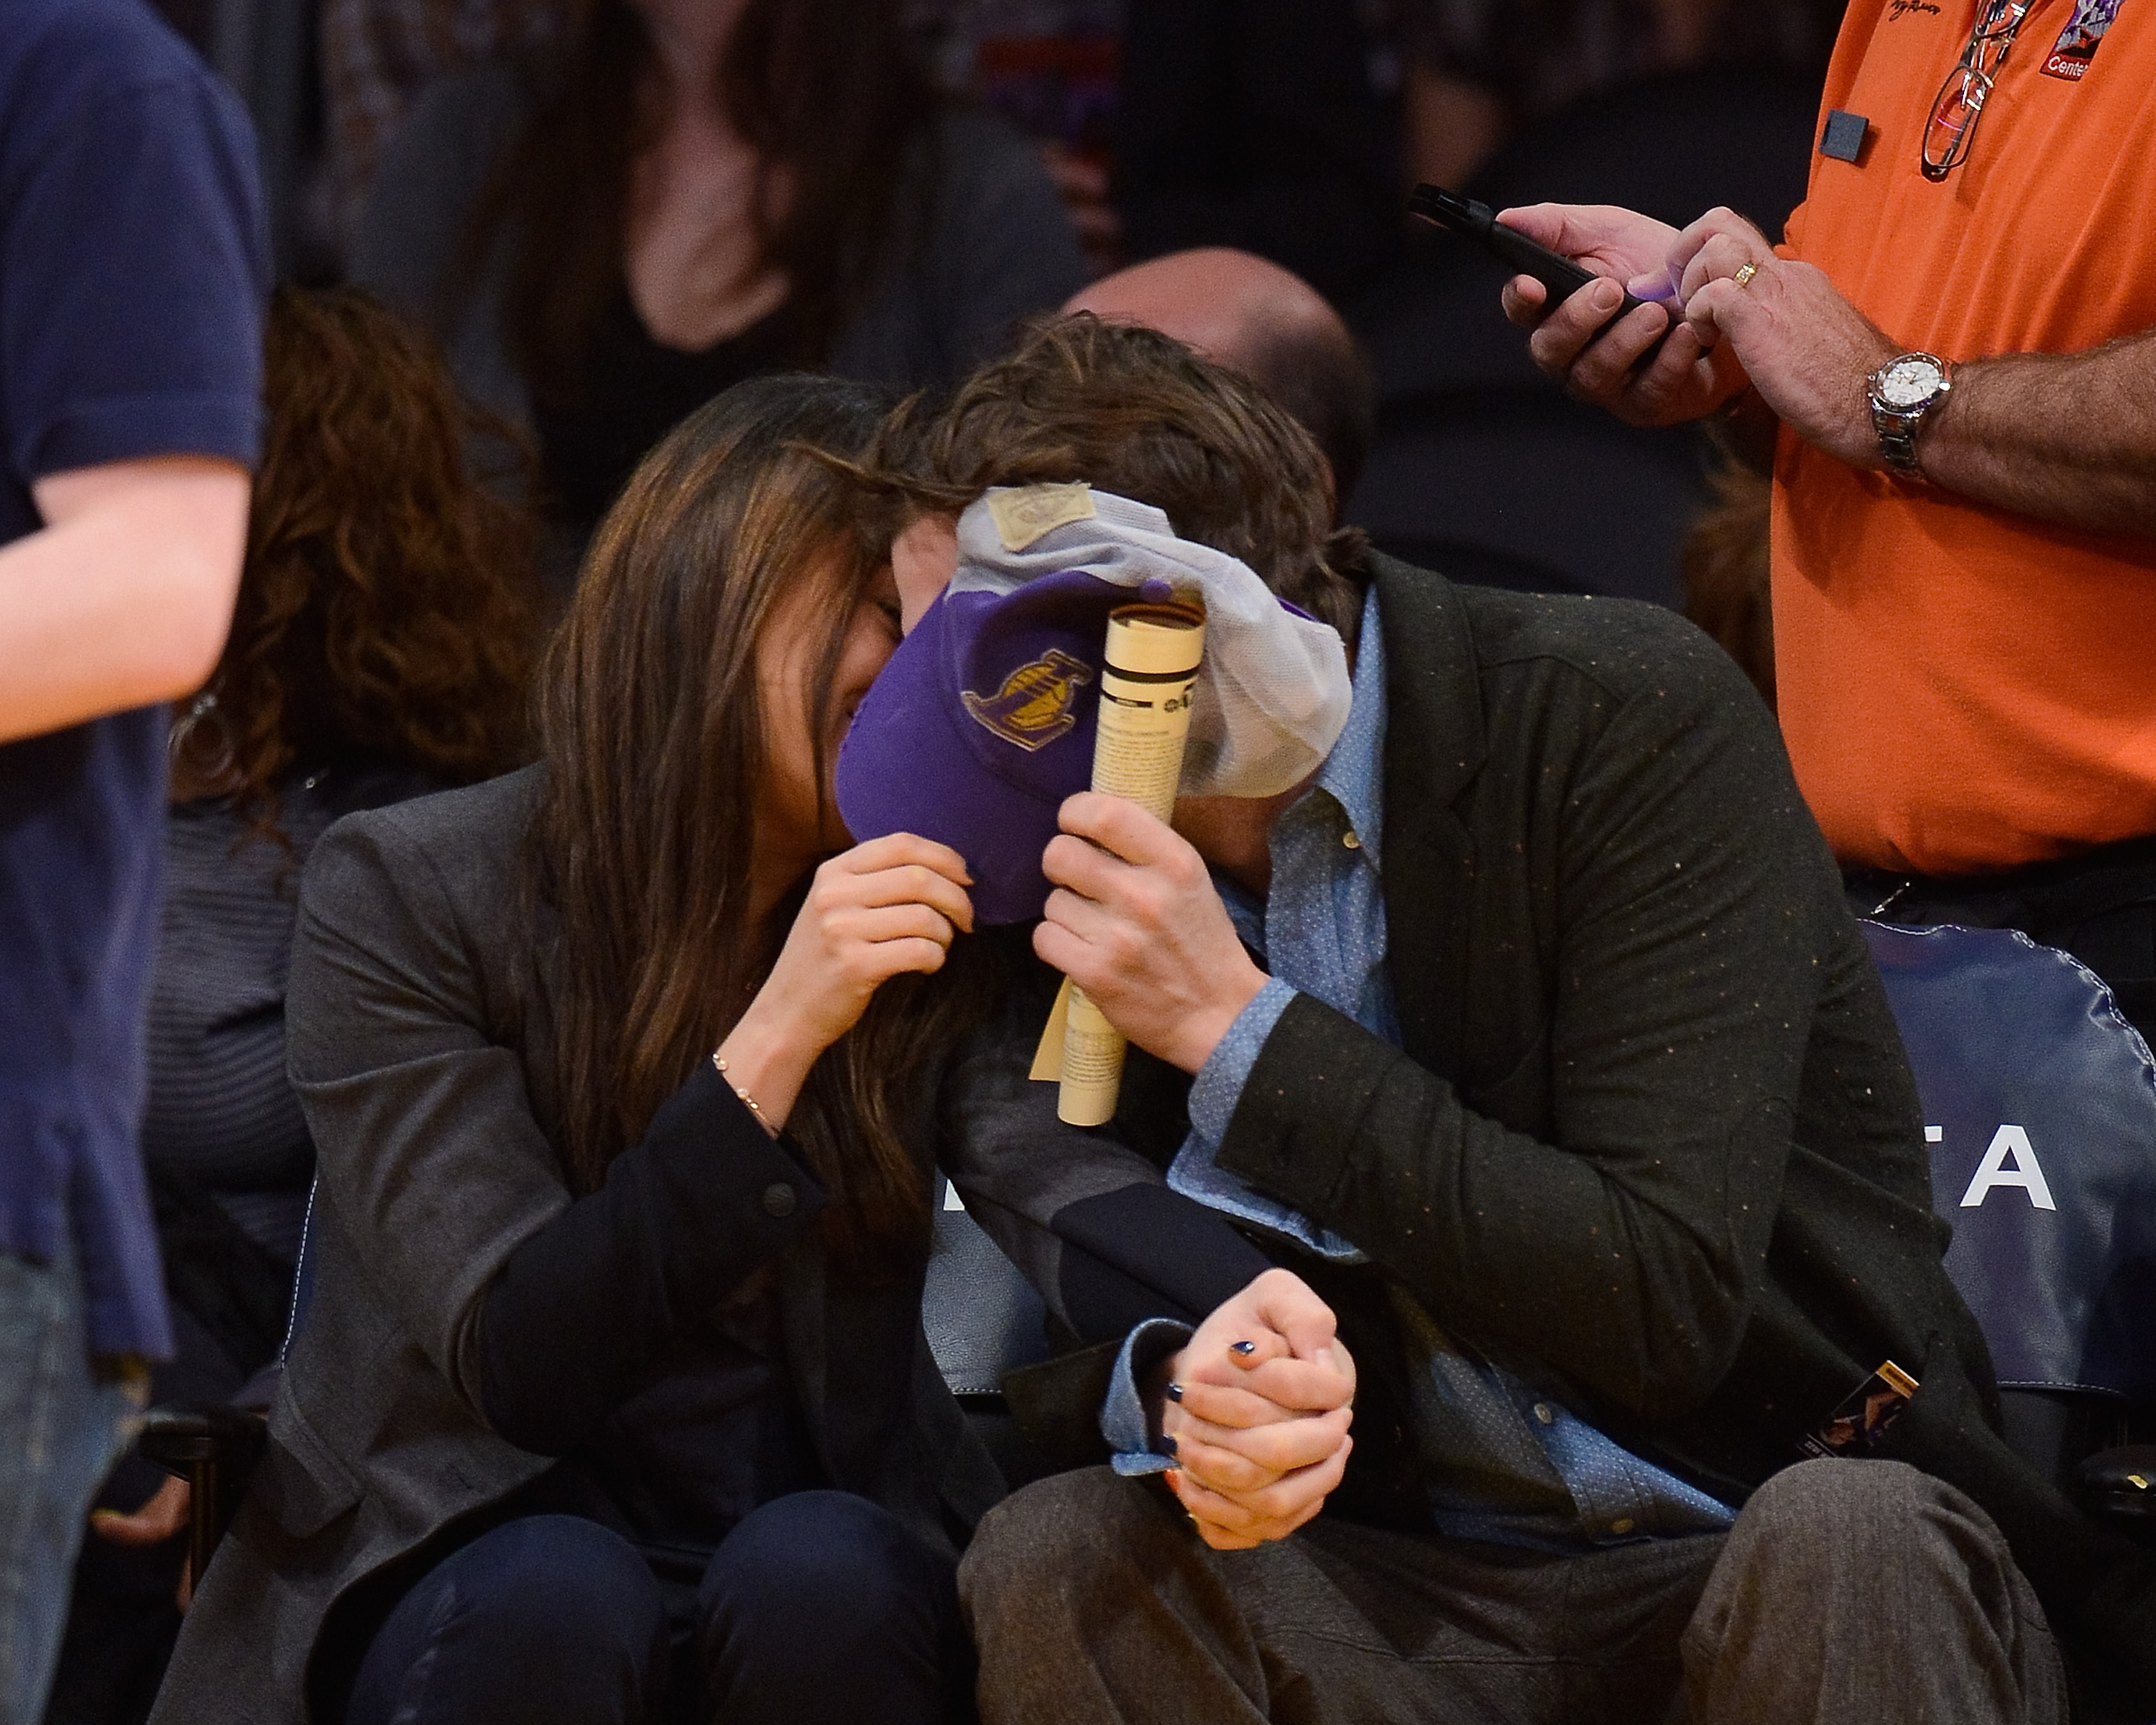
(1353, 773)
(1353, 776)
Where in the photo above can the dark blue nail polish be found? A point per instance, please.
(1242, 1347)
(1167, 1444)
(1175, 1392)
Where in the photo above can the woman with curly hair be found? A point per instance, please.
(381, 646)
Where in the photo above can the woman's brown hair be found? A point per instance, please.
(829, 94)
(388, 609)
(653, 734)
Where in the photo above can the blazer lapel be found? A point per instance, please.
(1434, 744)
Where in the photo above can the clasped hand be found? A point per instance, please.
(1786, 329)
(1256, 1410)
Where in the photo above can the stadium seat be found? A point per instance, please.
(2040, 1102)
(982, 1319)
(215, 1446)
(982, 1316)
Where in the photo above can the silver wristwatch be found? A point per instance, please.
(1901, 392)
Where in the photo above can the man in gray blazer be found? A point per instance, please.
(1524, 1078)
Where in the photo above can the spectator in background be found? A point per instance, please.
(1256, 124)
(690, 193)
(378, 56)
(1725, 563)
(1953, 361)
(1474, 72)
(1263, 321)
(1050, 66)
(131, 277)
(380, 648)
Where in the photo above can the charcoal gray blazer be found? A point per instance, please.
(1650, 1140)
(418, 1027)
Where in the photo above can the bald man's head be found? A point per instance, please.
(1265, 321)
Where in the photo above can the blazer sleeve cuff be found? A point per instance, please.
(734, 1195)
(1124, 1425)
(1294, 1128)
(1057, 1404)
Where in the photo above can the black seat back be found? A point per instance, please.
(982, 1316)
(2040, 1107)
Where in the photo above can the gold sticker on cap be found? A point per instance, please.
(1025, 512)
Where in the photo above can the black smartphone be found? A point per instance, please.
(1562, 276)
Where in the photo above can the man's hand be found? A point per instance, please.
(1135, 921)
(163, 1517)
(1685, 380)
(1806, 348)
(1255, 1409)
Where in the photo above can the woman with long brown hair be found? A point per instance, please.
(689, 192)
(612, 1401)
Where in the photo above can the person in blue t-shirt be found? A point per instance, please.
(133, 274)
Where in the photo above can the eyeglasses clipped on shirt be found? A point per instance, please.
(1961, 98)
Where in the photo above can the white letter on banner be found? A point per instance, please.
(2010, 1141)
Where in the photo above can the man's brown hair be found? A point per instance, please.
(1134, 412)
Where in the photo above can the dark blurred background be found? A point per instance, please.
(1288, 128)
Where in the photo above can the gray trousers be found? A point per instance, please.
(1848, 1591)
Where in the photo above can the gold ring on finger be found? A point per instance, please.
(1743, 276)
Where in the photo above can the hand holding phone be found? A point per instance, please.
(1558, 274)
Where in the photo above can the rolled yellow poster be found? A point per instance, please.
(1152, 667)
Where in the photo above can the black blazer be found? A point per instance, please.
(1651, 1141)
(420, 1045)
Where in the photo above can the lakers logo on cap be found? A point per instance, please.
(1033, 707)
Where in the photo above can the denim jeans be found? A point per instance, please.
(62, 1423)
(819, 1608)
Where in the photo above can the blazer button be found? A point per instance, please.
(778, 1199)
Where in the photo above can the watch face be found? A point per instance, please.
(1909, 382)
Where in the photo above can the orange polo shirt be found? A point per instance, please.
(1962, 689)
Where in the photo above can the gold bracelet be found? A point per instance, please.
(748, 1102)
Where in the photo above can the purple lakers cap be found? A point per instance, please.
(979, 727)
